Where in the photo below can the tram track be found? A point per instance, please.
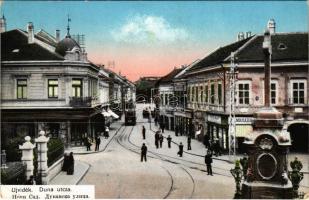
(126, 138)
(186, 161)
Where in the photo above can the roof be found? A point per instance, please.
(169, 77)
(15, 47)
(294, 46)
(46, 37)
(219, 55)
(67, 44)
(286, 47)
(182, 74)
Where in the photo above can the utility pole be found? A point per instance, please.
(232, 119)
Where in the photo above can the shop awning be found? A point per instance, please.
(106, 114)
(113, 114)
(243, 130)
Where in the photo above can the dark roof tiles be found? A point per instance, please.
(15, 47)
(294, 46)
(169, 77)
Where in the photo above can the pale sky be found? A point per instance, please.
(151, 38)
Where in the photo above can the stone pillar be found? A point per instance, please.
(27, 156)
(42, 156)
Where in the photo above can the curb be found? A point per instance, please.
(78, 181)
(103, 149)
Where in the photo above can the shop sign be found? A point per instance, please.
(214, 118)
(244, 120)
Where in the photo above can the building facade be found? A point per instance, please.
(47, 85)
(208, 87)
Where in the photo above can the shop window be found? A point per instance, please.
(21, 88)
(52, 88)
(77, 90)
(298, 91)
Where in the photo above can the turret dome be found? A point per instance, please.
(67, 44)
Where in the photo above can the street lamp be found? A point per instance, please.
(232, 119)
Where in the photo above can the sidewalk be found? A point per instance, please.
(80, 170)
(199, 151)
(104, 142)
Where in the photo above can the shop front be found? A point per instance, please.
(183, 121)
(217, 128)
(198, 128)
(243, 128)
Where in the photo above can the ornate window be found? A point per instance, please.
(77, 90)
(298, 92)
(52, 88)
(21, 88)
(212, 93)
(206, 93)
(219, 93)
(243, 91)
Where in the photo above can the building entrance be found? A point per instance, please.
(299, 133)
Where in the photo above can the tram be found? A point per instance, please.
(130, 115)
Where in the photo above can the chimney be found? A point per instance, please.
(2, 24)
(57, 35)
(271, 26)
(30, 30)
(240, 36)
(248, 34)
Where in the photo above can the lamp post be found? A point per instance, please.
(232, 120)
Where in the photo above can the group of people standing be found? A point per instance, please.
(88, 141)
(159, 141)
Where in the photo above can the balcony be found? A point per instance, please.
(80, 101)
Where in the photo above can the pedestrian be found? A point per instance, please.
(180, 152)
(157, 139)
(189, 143)
(161, 140)
(65, 164)
(143, 153)
(71, 164)
(163, 126)
(156, 120)
(144, 133)
(217, 147)
(97, 143)
(88, 144)
(208, 161)
(176, 130)
(106, 132)
(169, 140)
(206, 141)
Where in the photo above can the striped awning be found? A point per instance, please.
(106, 114)
(243, 130)
(114, 115)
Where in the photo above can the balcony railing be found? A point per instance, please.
(80, 101)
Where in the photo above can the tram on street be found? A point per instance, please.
(130, 115)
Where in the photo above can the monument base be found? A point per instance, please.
(262, 190)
